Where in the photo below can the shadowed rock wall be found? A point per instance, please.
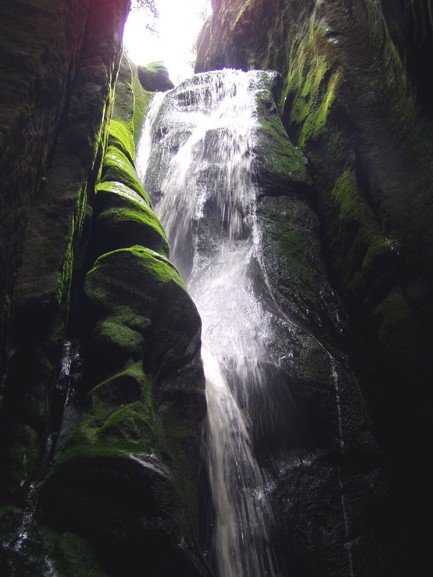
(60, 63)
(99, 339)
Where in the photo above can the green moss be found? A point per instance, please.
(147, 261)
(118, 419)
(121, 137)
(282, 159)
(366, 257)
(157, 67)
(142, 100)
(121, 191)
(351, 227)
(123, 105)
(380, 251)
(314, 362)
(312, 82)
(125, 219)
(114, 332)
(65, 277)
(128, 426)
(129, 430)
(279, 163)
(131, 227)
(124, 288)
(293, 255)
(126, 386)
(154, 77)
(117, 167)
(346, 196)
(143, 325)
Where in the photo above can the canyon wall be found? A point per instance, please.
(102, 391)
(357, 102)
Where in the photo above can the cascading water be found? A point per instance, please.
(202, 184)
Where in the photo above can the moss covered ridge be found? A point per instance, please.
(141, 413)
(133, 450)
(124, 219)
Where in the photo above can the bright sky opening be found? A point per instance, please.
(177, 28)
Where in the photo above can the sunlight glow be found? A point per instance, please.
(178, 25)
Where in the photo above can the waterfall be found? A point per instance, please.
(197, 163)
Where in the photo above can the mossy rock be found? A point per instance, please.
(125, 387)
(106, 190)
(114, 343)
(368, 259)
(138, 291)
(128, 430)
(292, 258)
(124, 227)
(312, 83)
(280, 165)
(114, 498)
(109, 282)
(125, 220)
(121, 137)
(142, 100)
(124, 96)
(118, 167)
(154, 77)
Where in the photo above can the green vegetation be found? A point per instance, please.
(127, 226)
(142, 100)
(121, 137)
(114, 191)
(118, 167)
(281, 159)
(154, 77)
(125, 219)
(119, 417)
(138, 259)
(312, 82)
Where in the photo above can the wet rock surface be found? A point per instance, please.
(355, 105)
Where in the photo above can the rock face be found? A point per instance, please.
(357, 101)
(154, 77)
(102, 385)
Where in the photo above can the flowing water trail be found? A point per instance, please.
(348, 544)
(206, 202)
(68, 363)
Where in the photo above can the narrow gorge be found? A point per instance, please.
(216, 328)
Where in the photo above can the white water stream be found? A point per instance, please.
(206, 202)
